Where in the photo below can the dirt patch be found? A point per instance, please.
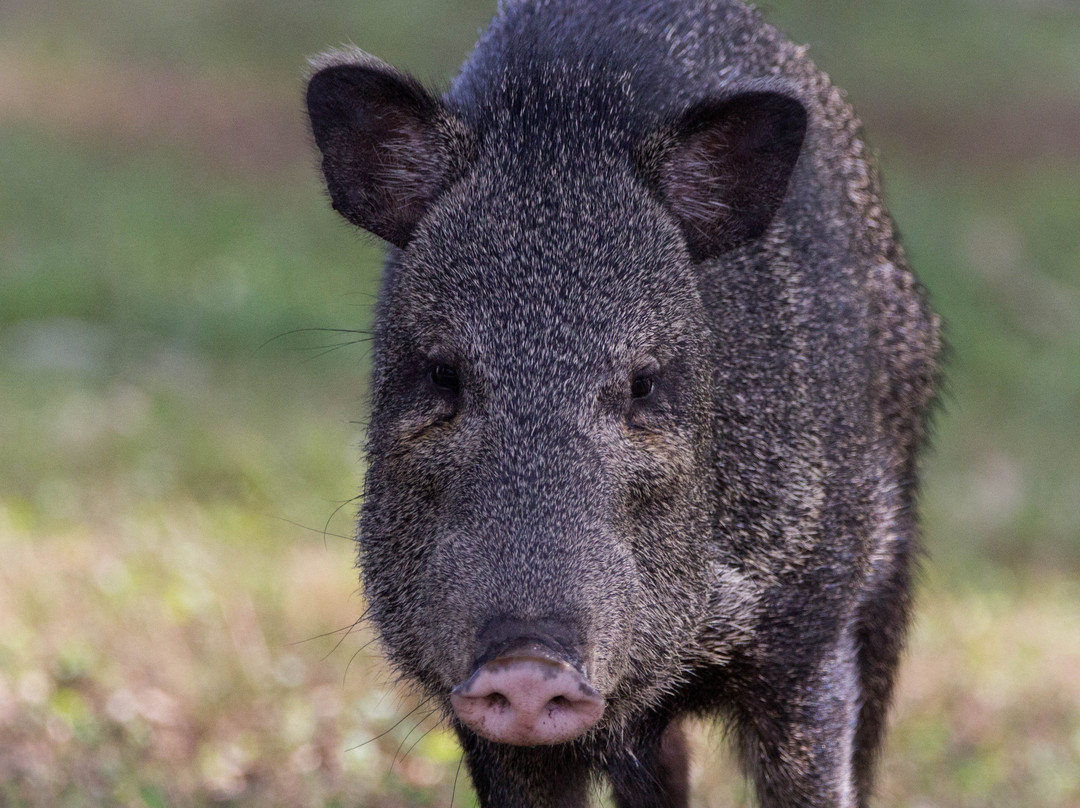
(231, 124)
(1018, 132)
(254, 128)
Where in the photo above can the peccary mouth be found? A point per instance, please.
(528, 695)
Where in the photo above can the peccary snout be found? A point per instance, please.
(528, 695)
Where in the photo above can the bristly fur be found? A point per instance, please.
(614, 188)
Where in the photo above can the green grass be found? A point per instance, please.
(146, 243)
(180, 456)
(1001, 262)
(956, 55)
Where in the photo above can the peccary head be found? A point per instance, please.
(537, 502)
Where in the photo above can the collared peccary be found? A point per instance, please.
(650, 376)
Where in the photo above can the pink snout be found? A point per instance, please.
(527, 697)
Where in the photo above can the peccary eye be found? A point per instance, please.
(642, 386)
(445, 378)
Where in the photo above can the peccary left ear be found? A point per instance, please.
(723, 169)
(389, 148)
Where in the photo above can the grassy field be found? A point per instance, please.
(181, 450)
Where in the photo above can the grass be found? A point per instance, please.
(220, 669)
(177, 597)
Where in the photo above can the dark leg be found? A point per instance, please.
(797, 732)
(525, 777)
(657, 776)
(880, 631)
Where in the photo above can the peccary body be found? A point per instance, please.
(650, 375)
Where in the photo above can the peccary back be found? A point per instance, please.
(650, 376)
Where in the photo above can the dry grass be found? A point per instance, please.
(163, 662)
(232, 122)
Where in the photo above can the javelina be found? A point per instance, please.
(650, 376)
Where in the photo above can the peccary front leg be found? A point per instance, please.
(798, 733)
(881, 628)
(507, 776)
(656, 775)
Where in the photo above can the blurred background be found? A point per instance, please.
(180, 452)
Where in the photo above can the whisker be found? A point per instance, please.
(331, 348)
(302, 526)
(347, 629)
(453, 789)
(356, 653)
(426, 733)
(393, 760)
(391, 729)
(326, 526)
(367, 335)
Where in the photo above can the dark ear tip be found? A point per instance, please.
(790, 114)
(785, 115)
(330, 95)
(334, 91)
(324, 98)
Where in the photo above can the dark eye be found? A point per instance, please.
(642, 386)
(445, 378)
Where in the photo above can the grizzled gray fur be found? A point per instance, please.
(650, 376)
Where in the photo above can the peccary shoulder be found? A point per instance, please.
(651, 374)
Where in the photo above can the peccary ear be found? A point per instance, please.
(388, 146)
(723, 169)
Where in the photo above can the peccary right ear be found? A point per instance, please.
(388, 147)
(723, 169)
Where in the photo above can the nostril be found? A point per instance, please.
(527, 697)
